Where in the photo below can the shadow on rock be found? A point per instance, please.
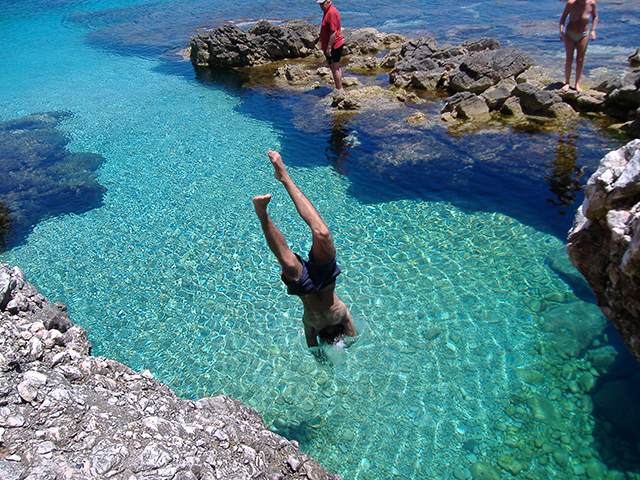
(41, 178)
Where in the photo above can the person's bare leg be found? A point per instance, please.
(291, 267)
(337, 74)
(323, 248)
(581, 48)
(569, 46)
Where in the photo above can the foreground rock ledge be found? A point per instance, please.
(604, 243)
(67, 414)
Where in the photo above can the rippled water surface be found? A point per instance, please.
(451, 246)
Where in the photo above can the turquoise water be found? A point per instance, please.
(446, 243)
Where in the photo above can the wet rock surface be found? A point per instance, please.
(40, 177)
(67, 414)
(604, 244)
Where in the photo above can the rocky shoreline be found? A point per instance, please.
(482, 78)
(67, 414)
(604, 244)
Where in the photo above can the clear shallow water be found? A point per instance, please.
(172, 272)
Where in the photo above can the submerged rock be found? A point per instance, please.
(40, 177)
(604, 243)
(484, 471)
(573, 326)
(67, 414)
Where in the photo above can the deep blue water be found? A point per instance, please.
(169, 270)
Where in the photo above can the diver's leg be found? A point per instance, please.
(323, 249)
(291, 266)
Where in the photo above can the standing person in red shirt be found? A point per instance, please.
(331, 39)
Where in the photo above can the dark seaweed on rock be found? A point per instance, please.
(41, 178)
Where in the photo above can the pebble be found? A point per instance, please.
(579, 470)
(458, 472)
(595, 468)
(531, 377)
(28, 391)
(315, 422)
(46, 447)
(280, 423)
(484, 471)
(587, 381)
(510, 464)
(432, 333)
(561, 457)
(568, 371)
(14, 421)
(365, 464)
(555, 297)
(500, 426)
(348, 435)
(533, 304)
(470, 445)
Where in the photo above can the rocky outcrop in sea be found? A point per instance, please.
(67, 414)
(482, 77)
(604, 243)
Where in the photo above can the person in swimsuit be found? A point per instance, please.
(314, 281)
(576, 37)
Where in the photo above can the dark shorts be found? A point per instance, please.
(336, 55)
(315, 276)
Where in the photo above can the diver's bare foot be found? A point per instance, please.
(280, 171)
(260, 203)
(578, 88)
(566, 87)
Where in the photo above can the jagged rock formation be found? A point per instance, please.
(229, 46)
(67, 414)
(622, 99)
(604, 243)
(482, 76)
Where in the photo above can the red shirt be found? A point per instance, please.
(331, 23)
